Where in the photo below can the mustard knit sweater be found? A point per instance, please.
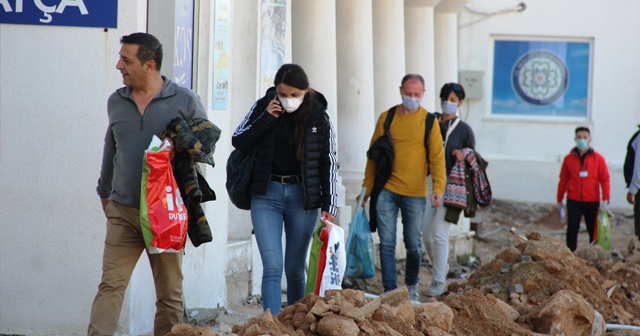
(409, 173)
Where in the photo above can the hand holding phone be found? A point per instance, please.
(274, 108)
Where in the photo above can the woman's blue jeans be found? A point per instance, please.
(412, 209)
(283, 203)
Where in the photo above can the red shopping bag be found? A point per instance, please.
(163, 216)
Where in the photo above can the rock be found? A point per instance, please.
(310, 317)
(533, 235)
(394, 297)
(253, 330)
(349, 311)
(525, 258)
(531, 286)
(495, 288)
(355, 297)
(566, 313)
(391, 332)
(334, 325)
(551, 249)
(553, 267)
(593, 252)
(435, 314)
(368, 309)
(608, 284)
(509, 255)
(505, 268)
(335, 308)
(617, 266)
(406, 312)
(367, 330)
(435, 331)
(184, 329)
(320, 308)
(313, 326)
(516, 288)
(223, 328)
(511, 313)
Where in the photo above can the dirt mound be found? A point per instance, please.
(537, 286)
(531, 272)
(476, 314)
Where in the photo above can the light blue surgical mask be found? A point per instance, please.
(582, 144)
(449, 107)
(410, 103)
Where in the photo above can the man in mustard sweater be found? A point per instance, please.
(406, 188)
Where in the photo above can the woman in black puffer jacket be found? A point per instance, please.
(294, 174)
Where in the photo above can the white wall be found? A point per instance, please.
(54, 84)
(525, 155)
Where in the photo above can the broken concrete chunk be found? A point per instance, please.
(505, 308)
(566, 313)
(348, 310)
(509, 255)
(334, 325)
(320, 308)
(406, 312)
(394, 297)
(516, 288)
(525, 258)
(435, 314)
(495, 289)
(368, 309)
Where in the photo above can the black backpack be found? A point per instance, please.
(239, 170)
(629, 160)
(382, 153)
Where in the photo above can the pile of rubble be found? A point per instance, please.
(348, 312)
(538, 287)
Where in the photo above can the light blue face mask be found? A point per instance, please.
(410, 103)
(449, 108)
(582, 144)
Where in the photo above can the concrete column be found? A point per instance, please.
(355, 90)
(446, 42)
(388, 53)
(313, 36)
(419, 42)
(313, 28)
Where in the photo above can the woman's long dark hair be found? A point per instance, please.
(293, 75)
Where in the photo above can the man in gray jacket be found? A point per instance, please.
(141, 109)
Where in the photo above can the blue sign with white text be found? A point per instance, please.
(79, 13)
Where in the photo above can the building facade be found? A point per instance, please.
(55, 81)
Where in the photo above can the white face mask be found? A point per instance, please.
(291, 104)
(449, 107)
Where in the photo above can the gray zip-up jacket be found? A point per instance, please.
(129, 134)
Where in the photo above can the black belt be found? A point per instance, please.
(286, 179)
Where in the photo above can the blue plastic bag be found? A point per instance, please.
(360, 262)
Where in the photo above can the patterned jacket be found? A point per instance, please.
(473, 182)
(194, 142)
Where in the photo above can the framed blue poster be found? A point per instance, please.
(541, 78)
